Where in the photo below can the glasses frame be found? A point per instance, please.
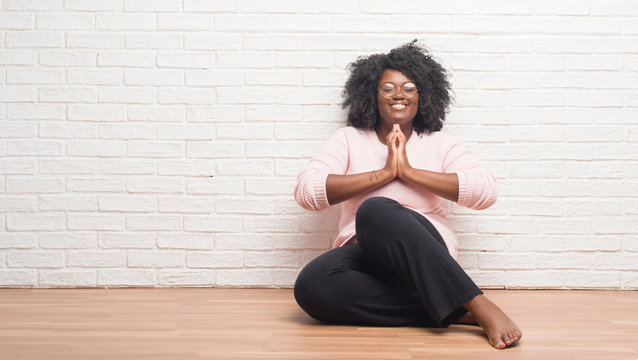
(401, 88)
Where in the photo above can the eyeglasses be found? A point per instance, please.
(389, 90)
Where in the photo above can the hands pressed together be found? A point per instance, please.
(397, 164)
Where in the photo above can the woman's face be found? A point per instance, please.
(397, 99)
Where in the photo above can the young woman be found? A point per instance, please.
(394, 260)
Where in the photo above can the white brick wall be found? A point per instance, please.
(156, 143)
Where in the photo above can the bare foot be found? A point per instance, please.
(467, 319)
(500, 329)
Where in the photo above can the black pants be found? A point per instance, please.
(399, 273)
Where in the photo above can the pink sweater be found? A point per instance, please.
(353, 151)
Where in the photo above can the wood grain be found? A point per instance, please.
(267, 324)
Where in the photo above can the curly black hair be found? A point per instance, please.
(415, 62)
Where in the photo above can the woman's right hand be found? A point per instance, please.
(392, 142)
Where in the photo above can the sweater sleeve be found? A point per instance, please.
(310, 191)
(478, 187)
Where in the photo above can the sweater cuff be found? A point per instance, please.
(463, 188)
(319, 188)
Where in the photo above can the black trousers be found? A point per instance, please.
(399, 273)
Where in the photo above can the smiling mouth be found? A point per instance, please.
(398, 106)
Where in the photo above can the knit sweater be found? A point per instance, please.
(353, 151)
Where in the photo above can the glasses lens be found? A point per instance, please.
(389, 90)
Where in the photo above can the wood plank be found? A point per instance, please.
(267, 324)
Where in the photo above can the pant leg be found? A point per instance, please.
(339, 286)
(393, 236)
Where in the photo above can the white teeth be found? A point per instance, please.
(398, 106)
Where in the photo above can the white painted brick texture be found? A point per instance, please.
(156, 143)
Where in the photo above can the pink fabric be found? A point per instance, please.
(353, 151)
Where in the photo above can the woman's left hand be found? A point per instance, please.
(402, 158)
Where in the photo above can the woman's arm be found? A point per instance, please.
(343, 187)
(445, 185)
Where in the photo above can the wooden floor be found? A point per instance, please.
(267, 324)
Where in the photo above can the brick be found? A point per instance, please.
(256, 149)
(176, 21)
(68, 58)
(35, 76)
(185, 241)
(67, 95)
(16, 57)
(152, 5)
(212, 41)
(566, 80)
(34, 39)
(537, 98)
(273, 186)
(17, 278)
(67, 131)
(123, 240)
(186, 96)
(185, 132)
(94, 5)
(629, 280)
(95, 77)
(304, 131)
(17, 241)
(67, 203)
(592, 243)
(125, 21)
(185, 205)
(11, 94)
(153, 223)
(186, 167)
(155, 259)
(230, 185)
(244, 60)
(36, 112)
(35, 259)
(231, 241)
(215, 224)
(126, 278)
(252, 95)
(164, 113)
(185, 60)
(591, 279)
(245, 167)
(506, 261)
(154, 150)
(273, 23)
(65, 21)
(127, 166)
(236, 205)
(40, 185)
(94, 40)
(204, 78)
(137, 59)
(153, 77)
(215, 114)
(127, 203)
(211, 6)
(91, 221)
(153, 40)
(215, 150)
(255, 131)
(271, 42)
(265, 259)
(126, 131)
(67, 278)
(533, 279)
(302, 241)
(96, 148)
(215, 260)
(67, 240)
(95, 184)
(166, 185)
(15, 20)
(99, 259)
(302, 60)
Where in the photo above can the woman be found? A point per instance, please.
(393, 262)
